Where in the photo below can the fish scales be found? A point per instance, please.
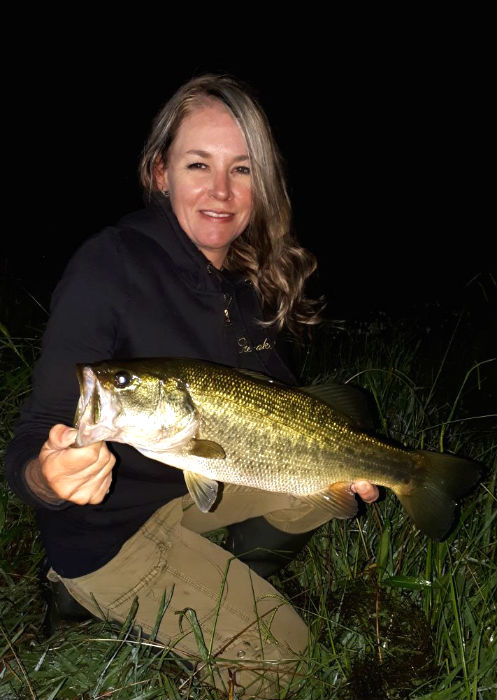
(311, 442)
(301, 434)
(217, 424)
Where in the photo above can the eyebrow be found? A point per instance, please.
(205, 154)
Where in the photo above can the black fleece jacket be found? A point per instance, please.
(137, 289)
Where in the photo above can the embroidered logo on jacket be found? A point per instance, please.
(244, 345)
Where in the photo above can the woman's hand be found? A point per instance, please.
(365, 490)
(81, 475)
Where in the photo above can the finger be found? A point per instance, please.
(92, 482)
(90, 459)
(61, 436)
(366, 490)
(99, 484)
(90, 491)
(100, 493)
(82, 461)
(105, 456)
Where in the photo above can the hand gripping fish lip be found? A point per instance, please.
(101, 413)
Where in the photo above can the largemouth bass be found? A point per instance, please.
(220, 424)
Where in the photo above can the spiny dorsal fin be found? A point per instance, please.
(202, 489)
(261, 377)
(348, 400)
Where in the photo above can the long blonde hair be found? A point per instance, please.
(266, 253)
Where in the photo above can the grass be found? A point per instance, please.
(392, 614)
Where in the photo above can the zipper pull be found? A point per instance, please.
(227, 301)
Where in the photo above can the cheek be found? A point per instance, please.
(182, 196)
(243, 193)
(248, 202)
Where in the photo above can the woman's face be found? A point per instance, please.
(208, 178)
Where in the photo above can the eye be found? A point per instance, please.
(243, 170)
(122, 379)
(196, 166)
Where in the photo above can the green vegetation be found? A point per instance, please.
(392, 614)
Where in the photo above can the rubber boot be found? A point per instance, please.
(263, 547)
(61, 606)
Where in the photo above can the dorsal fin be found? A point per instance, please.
(348, 400)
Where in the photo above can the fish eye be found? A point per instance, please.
(122, 379)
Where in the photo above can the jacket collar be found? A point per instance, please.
(159, 222)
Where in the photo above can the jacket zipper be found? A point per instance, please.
(227, 301)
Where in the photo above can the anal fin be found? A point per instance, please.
(337, 499)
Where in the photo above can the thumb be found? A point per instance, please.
(62, 436)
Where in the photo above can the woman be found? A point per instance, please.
(207, 270)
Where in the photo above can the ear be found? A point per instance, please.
(160, 174)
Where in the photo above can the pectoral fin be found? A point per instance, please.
(206, 449)
(202, 489)
(336, 499)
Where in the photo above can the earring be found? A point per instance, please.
(165, 193)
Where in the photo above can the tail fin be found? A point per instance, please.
(431, 496)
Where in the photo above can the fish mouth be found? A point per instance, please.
(101, 415)
(86, 381)
(90, 411)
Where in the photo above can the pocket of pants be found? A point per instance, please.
(140, 559)
(140, 574)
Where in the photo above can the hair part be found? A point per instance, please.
(267, 253)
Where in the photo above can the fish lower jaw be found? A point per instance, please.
(90, 433)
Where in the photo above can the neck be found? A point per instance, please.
(216, 257)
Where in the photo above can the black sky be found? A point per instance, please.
(379, 142)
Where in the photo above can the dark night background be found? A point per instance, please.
(382, 135)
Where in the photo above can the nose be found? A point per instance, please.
(220, 185)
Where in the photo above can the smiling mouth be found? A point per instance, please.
(217, 214)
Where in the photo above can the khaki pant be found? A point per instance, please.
(247, 626)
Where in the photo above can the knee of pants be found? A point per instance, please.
(258, 667)
(259, 679)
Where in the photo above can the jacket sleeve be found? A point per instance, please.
(82, 327)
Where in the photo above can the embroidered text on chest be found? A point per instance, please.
(244, 345)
